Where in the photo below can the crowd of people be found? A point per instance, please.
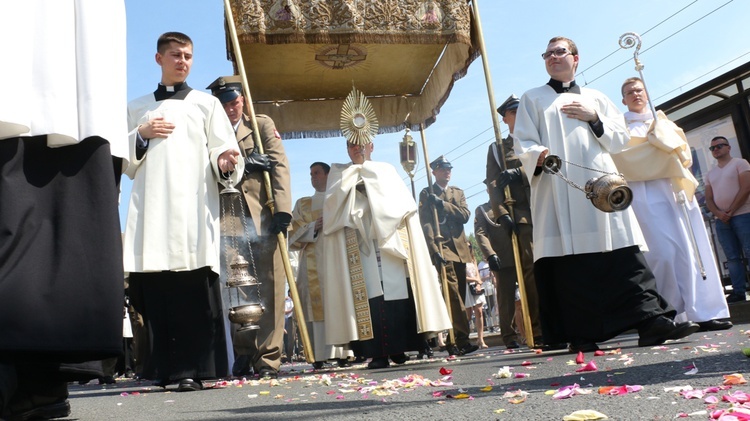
(380, 275)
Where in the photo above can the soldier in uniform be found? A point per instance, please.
(260, 350)
(497, 232)
(453, 213)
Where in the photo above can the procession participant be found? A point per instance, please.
(591, 276)
(501, 173)
(452, 213)
(260, 350)
(181, 143)
(474, 303)
(62, 143)
(377, 266)
(656, 165)
(494, 245)
(290, 328)
(307, 236)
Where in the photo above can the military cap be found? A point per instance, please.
(510, 104)
(226, 88)
(440, 162)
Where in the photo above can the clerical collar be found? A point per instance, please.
(561, 87)
(179, 91)
(631, 117)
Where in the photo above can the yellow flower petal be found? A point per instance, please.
(584, 415)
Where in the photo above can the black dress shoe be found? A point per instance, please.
(714, 325)
(317, 365)
(736, 298)
(45, 400)
(400, 358)
(189, 385)
(660, 328)
(512, 345)
(551, 347)
(107, 380)
(268, 373)
(161, 383)
(380, 362)
(343, 362)
(576, 347)
(49, 411)
(242, 367)
(427, 353)
(467, 349)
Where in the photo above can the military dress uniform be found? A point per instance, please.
(498, 238)
(260, 349)
(452, 216)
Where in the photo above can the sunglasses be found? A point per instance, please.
(558, 53)
(719, 146)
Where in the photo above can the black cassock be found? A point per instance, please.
(593, 297)
(61, 277)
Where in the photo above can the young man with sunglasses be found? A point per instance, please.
(727, 191)
(592, 280)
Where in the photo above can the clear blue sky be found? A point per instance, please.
(685, 43)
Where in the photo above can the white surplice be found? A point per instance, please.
(173, 215)
(376, 218)
(57, 74)
(304, 238)
(565, 222)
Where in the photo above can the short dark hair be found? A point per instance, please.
(571, 44)
(720, 137)
(168, 37)
(326, 167)
(627, 82)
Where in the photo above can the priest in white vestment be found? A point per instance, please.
(656, 165)
(306, 236)
(376, 263)
(592, 279)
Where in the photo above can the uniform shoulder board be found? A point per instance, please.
(266, 119)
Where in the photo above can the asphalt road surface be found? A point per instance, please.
(642, 384)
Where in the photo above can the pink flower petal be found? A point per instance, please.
(711, 400)
(693, 394)
(591, 366)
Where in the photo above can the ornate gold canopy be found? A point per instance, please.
(303, 56)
